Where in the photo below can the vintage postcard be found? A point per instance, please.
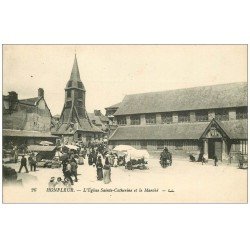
(125, 124)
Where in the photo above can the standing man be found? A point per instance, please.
(164, 157)
(33, 163)
(215, 160)
(23, 164)
(67, 172)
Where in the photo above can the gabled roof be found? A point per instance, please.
(30, 101)
(215, 96)
(25, 103)
(233, 129)
(114, 106)
(99, 119)
(95, 118)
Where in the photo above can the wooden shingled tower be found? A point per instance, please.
(74, 116)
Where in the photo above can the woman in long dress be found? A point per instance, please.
(90, 158)
(107, 171)
(115, 161)
(99, 167)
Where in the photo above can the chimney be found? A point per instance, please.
(13, 96)
(13, 99)
(97, 112)
(40, 92)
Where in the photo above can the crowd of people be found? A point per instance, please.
(97, 156)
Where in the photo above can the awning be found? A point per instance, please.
(71, 147)
(27, 133)
(39, 148)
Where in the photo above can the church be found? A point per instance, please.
(209, 119)
(74, 124)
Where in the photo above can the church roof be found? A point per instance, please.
(234, 129)
(203, 97)
(172, 131)
(74, 117)
(75, 79)
(84, 125)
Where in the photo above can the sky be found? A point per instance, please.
(109, 72)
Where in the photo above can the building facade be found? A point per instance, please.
(99, 120)
(26, 121)
(74, 124)
(209, 119)
(111, 110)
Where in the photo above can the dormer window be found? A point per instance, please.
(167, 118)
(221, 115)
(79, 84)
(135, 119)
(201, 115)
(122, 120)
(70, 84)
(150, 118)
(184, 116)
(241, 113)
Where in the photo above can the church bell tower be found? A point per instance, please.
(74, 123)
(75, 93)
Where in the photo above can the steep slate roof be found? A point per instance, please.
(72, 121)
(75, 77)
(97, 119)
(160, 131)
(235, 129)
(30, 101)
(114, 106)
(215, 96)
(104, 118)
(64, 129)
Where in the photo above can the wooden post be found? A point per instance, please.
(205, 148)
(224, 150)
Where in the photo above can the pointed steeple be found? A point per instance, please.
(75, 75)
(75, 80)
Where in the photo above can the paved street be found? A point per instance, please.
(183, 182)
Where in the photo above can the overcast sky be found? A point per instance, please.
(110, 72)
